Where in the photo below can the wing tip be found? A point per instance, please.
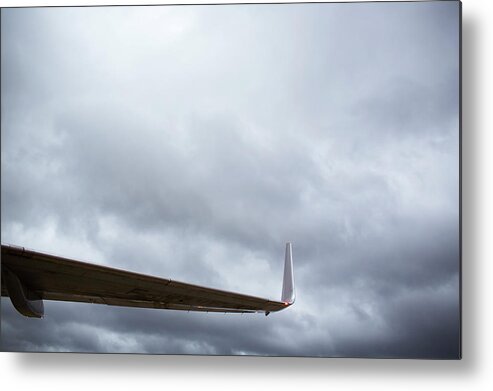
(288, 295)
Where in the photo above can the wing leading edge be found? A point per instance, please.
(29, 277)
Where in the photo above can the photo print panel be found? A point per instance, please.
(238, 179)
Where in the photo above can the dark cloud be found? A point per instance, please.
(151, 140)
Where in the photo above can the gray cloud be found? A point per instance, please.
(192, 142)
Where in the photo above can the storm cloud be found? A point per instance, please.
(192, 142)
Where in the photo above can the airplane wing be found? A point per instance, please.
(29, 277)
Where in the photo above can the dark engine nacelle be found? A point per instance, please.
(27, 302)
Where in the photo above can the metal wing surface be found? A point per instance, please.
(29, 277)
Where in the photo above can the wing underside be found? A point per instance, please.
(42, 276)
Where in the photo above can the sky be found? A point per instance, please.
(193, 142)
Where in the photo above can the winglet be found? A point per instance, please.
(288, 295)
